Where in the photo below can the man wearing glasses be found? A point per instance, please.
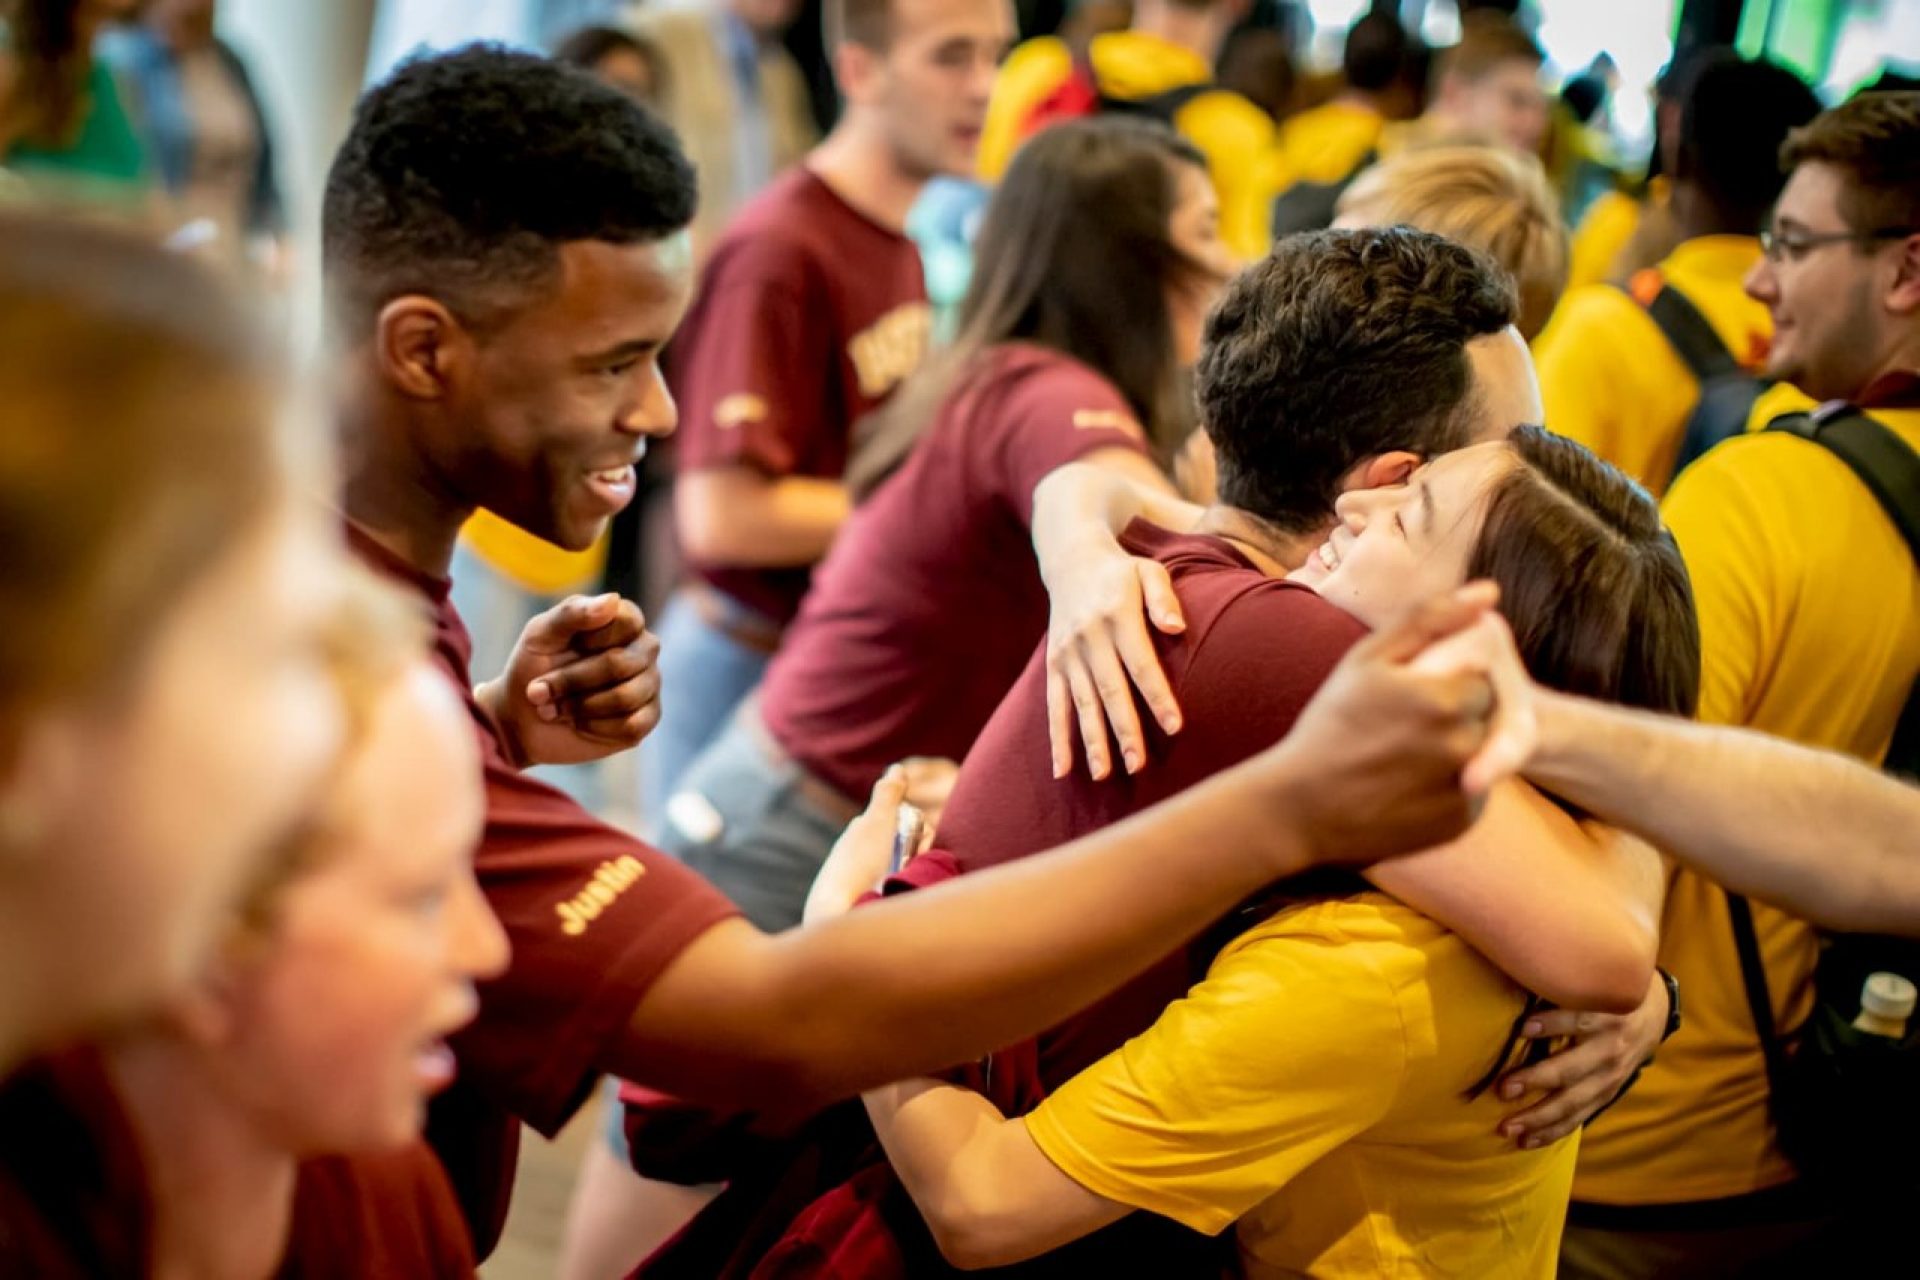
(1648, 374)
(1809, 605)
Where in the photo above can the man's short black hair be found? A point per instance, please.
(465, 172)
(1342, 345)
(1375, 55)
(1734, 116)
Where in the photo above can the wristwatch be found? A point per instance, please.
(1673, 1004)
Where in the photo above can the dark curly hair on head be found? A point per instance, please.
(1339, 346)
(465, 172)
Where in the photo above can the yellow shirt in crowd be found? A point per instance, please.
(1604, 231)
(1609, 377)
(1230, 131)
(1810, 629)
(1313, 1090)
(1328, 142)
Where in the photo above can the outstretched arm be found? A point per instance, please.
(1818, 834)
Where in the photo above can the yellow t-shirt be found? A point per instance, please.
(1235, 136)
(1810, 628)
(533, 564)
(1328, 142)
(1601, 235)
(1312, 1089)
(1612, 381)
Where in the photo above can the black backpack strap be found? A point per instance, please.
(1891, 472)
(1162, 106)
(1753, 974)
(1691, 336)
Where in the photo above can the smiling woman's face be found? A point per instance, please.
(1395, 546)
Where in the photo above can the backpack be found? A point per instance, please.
(1844, 1102)
(1310, 206)
(1727, 389)
(1080, 95)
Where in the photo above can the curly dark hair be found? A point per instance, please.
(1339, 346)
(464, 173)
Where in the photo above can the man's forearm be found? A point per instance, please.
(735, 516)
(1819, 834)
(947, 974)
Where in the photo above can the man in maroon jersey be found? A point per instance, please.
(505, 262)
(810, 311)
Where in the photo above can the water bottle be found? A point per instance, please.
(1886, 1002)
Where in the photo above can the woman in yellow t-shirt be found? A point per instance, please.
(1325, 1086)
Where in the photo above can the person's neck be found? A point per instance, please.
(1273, 552)
(1360, 100)
(1899, 358)
(1695, 216)
(859, 167)
(222, 1194)
(389, 493)
(1193, 29)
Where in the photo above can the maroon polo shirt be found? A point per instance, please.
(1254, 652)
(75, 1205)
(927, 608)
(808, 315)
(594, 916)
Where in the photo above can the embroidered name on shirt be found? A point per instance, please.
(1107, 419)
(890, 348)
(609, 881)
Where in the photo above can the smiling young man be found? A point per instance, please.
(1810, 629)
(504, 261)
(810, 312)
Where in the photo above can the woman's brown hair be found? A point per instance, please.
(1073, 254)
(1590, 580)
(146, 433)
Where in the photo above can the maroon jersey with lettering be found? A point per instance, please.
(925, 611)
(808, 315)
(593, 915)
(1254, 651)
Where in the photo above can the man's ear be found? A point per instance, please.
(418, 343)
(1903, 297)
(1383, 470)
(855, 67)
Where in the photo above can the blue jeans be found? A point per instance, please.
(704, 674)
(762, 837)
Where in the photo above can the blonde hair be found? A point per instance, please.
(375, 633)
(1488, 198)
(146, 435)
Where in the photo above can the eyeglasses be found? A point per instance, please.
(1792, 246)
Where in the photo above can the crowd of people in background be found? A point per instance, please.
(1320, 716)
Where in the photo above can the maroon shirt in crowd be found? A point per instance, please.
(1253, 654)
(925, 611)
(75, 1205)
(808, 315)
(594, 916)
